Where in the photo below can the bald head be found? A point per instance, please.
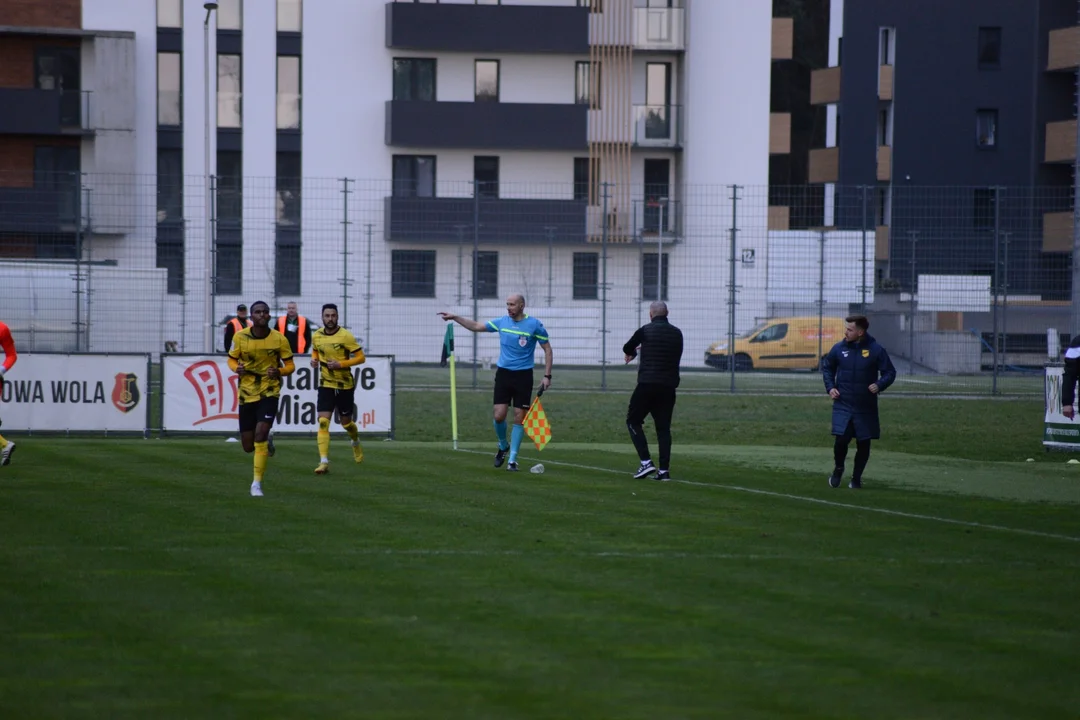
(658, 309)
(515, 306)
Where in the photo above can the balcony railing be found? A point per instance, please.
(501, 220)
(824, 165)
(1060, 142)
(659, 28)
(30, 111)
(657, 126)
(39, 209)
(1064, 51)
(825, 86)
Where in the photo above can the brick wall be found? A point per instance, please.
(17, 57)
(42, 13)
(17, 157)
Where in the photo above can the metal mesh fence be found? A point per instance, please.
(962, 285)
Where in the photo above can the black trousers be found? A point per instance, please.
(658, 401)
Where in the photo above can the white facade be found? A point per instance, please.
(720, 83)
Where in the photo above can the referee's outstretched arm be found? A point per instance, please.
(466, 323)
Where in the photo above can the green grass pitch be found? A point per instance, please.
(140, 580)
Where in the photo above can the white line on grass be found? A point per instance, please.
(819, 501)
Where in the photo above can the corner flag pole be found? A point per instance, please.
(448, 343)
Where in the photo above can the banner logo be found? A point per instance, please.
(217, 401)
(125, 394)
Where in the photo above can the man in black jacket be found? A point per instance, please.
(1070, 377)
(661, 346)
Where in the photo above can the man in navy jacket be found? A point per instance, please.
(855, 371)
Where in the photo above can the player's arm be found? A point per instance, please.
(8, 344)
(466, 323)
(234, 359)
(314, 356)
(288, 367)
(631, 346)
(828, 371)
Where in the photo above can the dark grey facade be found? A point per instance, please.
(453, 220)
(487, 28)
(486, 125)
(945, 217)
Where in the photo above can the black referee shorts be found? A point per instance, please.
(331, 399)
(513, 388)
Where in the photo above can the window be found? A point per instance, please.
(586, 275)
(489, 2)
(170, 256)
(587, 83)
(887, 46)
(587, 180)
(486, 176)
(57, 169)
(230, 15)
(772, 333)
(230, 186)
(287, 264)
(414, 79)
(414, 176)
(412, 273)
(595, 6)
(883, 127)
(487, 275)
(169, 84)
(881, 206)
(228, 91)
(289, 15)
(288, 93)
(287, 201)
(986, 128)
(984, 204)
(487, 81)
(170, 185)
(228, 265)
(169, 14)
(648, 277)
(989, 48)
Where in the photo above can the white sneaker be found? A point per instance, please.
(6, 453)
(645, 470)
(256, 489)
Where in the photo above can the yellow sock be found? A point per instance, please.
(354, 432)
(262, 453)
(323, 439)
(3, 442)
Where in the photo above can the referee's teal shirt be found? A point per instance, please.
(517, 340)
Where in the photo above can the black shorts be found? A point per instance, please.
(331, 399)
(261, 411)
(513, 388)
(651, 399)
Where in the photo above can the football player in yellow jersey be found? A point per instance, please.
(261, 356)
(335, 351)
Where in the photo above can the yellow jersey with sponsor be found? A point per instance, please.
(259, 355)
(338, 345)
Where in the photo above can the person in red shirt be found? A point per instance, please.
(7, 448)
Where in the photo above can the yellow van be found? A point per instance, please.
(786, 343)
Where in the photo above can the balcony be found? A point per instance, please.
(28, 111)
(1060, 142)
(660, 29)
(825, 86)
(1064, 52)
(779, 133)
(783, 38)
(884, 163)
(657, 126)
(38, 209)
(486, 125)
(885, 82)
(501, 221)
(1057, 234)
(487, 28)
(824, 165)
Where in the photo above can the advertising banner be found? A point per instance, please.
(1059, 432)
(61, 391)
(200, 395)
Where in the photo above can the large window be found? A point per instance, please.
(986, 122)
(229, 110)
(983, 206)
(587, 83)
(487, 275)
(287, 252)
(486, 176)
(414, 79)
(230, 186)
(587, 180)
(414, 176)
(169, 84)
(288, 92)
(412, 273)
(290, 15)
(288, 188)
(586, 275)
(487, 81)
(648, 277)
(170, 256)
(169, 14)
(989, 53)
(230, 15)
(170, 186)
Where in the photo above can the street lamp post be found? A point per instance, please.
(208, 254)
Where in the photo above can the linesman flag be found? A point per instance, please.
(536, 423)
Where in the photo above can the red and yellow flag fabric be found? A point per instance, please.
(536, 425)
